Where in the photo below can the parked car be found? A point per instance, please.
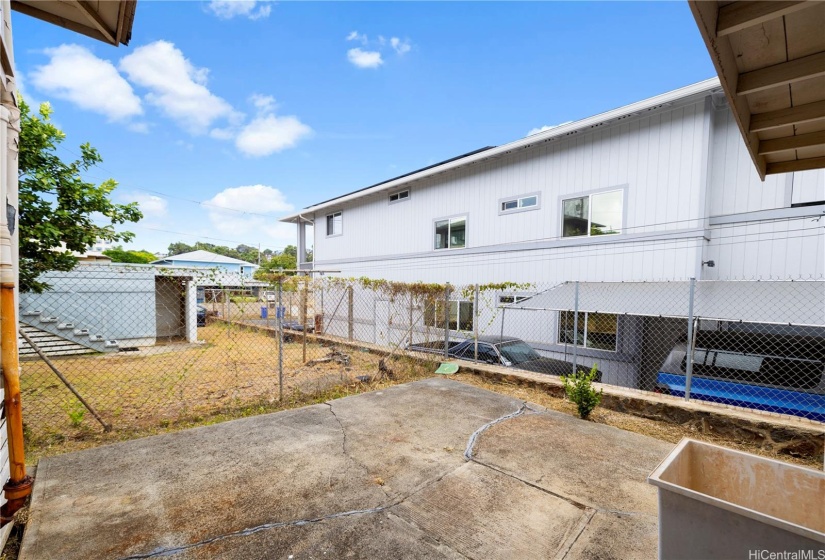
(505, 351)
(777, 374)
(201, 316)
(298, 325)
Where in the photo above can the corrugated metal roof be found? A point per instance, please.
(776, 302)
(685, 94)
(202, 256)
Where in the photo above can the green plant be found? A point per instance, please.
(76, 413)
(579, 389)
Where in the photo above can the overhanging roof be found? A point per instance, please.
(770, 57)
(803, 303)
(109, 21)
(682, 95)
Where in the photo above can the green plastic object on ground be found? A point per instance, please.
(447, 368)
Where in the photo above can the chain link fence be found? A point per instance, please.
(139, 346)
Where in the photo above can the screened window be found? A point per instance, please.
(517, 203)
(451, 233)
(595, 330)
(399, 196)
(335, 224)
(595, 214)
(460, 315)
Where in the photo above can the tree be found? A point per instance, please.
(120, 255)
(179, 248)
(60, 213)
(280, 261)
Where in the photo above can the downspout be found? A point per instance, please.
(19, 485)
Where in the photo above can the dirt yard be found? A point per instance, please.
(233, 372)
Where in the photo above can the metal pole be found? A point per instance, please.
(576, 330)
(303, 304)
(447, 321)
(350, 314)
(690, 342)
(475, 323)
(279, 313)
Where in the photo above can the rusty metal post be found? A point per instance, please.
(279, 313)
(303, 303)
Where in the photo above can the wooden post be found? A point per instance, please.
(350, 314)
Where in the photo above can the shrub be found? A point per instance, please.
(579, 389)
(76, 413)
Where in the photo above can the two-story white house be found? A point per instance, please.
(661, 190)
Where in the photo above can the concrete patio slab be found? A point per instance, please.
(432, 469)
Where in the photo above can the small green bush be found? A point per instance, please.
(76, 413)
(579, 389)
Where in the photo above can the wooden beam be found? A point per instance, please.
(97, 22)
(796, 165)
(121, 16)
(792, 115)
(792, 142)
(30, 10)
(741, 15)
(781, 74)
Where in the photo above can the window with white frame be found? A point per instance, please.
(595, 330)
(593, 214)
(511, 299)
(400, 196)
(335, 224)
(516, 203)
(451, 233)
(460, 315)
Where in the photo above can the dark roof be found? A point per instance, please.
(407, 174)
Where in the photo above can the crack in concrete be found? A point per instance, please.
(345, 449)
(161, 552)
(583, 524)
(468, 452)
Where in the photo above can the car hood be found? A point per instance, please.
(553, 367)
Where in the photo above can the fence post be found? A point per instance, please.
(279, 313)
(350, 314)
(475, 323)
(412, 303)
(689, 365)
(447, 321)
(303, 303)
(576, 330)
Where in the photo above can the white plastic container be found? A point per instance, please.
(715, 502)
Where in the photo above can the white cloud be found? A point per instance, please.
(228, 9)
(355, 36)
(267, 134)
(546, 127)
(154, 208)
(75, 74)
(401, 47)
(176, 86)
(257, 199)
(364, 59)
(140, 127)
(262, 102)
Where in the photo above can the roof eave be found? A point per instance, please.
(681, 94)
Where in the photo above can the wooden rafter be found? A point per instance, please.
(96, 21)
(809, 140)
(741, 15)
(782, 74)
(793, 115)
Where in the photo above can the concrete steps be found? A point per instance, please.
(50, 344)
(73, 336)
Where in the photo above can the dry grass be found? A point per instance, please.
(235, 373)
(664, 431)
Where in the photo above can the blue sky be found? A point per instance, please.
(268, 107)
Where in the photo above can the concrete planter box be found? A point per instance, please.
(715, 502)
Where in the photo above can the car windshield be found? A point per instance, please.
(517, 352)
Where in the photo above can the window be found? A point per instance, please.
(515, 204)
(596, 330)
(594, 214)
(507, 300)
(486, 353)
(399, 196)
(460, 315)
(451, 233)
(335, 224)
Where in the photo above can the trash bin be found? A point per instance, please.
(264, 312)
(715, 502)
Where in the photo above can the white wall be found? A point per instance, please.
(656, 158)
